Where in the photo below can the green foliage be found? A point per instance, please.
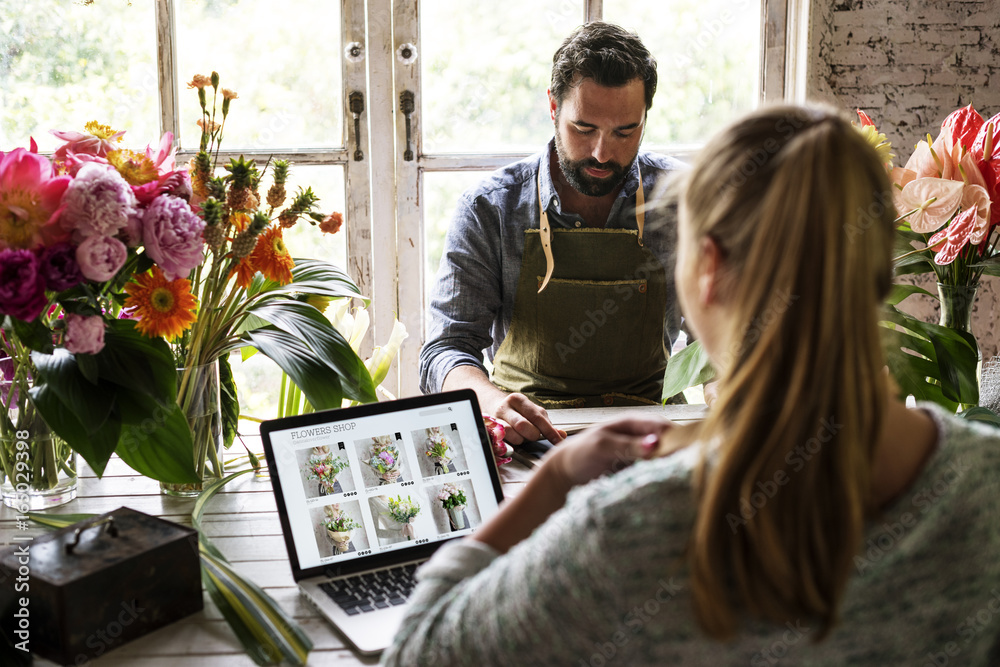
(122, 399)
(928, 361)
(687, 368)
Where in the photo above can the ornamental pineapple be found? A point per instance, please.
(276, 193)
(246, 240)
(242, 181)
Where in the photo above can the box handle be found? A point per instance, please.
(111, 529)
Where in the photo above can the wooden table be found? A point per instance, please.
(243, 522)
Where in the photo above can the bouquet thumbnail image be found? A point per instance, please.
(404, 512)
(453, 501)
(339, 527)
(442, 450)
(323, 466)
(384, 459)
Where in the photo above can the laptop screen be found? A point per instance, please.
(380, 478)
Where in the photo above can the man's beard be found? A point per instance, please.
(573, 171)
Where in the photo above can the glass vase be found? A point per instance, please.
(37, 467)
(198, 394)
(957, 304)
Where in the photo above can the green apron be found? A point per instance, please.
(588, 332)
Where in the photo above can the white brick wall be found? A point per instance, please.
(908, 64)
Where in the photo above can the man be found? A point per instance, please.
(552, 262)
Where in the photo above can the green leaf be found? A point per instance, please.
(159, 446)
(199, 508)
(137, 363)
(58, 520)
(946, 370)
(981, 414)
(59, 372)
(95, 446)
(318, 383)
(34, 334)
(312, 328)
(689, 367)
(268, 634)
(899, 292)
(230, 403)
(88, 367)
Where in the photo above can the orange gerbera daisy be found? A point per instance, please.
(162, 307)
(271, 256)
(244, 272)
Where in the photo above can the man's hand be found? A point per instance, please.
(522, 419)
(606, 448)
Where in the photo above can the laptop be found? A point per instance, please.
(362, 495)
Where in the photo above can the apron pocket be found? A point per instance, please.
(591, 330)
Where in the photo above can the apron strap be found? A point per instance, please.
(546, 235)
(546, 230)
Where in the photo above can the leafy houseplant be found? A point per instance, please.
(947, 200)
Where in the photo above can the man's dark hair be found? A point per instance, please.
(606, 53)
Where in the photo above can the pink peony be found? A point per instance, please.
(30, 195)
(100, 257)
(496, 431)
(97, 203)
(171, 233)
(84, 335)
(22, 288)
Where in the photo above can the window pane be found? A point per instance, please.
(258, 379)
(441, 192)
(485, 71)
(283, 62)
(708, 62)
(305, 240)
(63, 64)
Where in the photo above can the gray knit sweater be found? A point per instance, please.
(603, 581)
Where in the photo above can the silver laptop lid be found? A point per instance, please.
(379, 484)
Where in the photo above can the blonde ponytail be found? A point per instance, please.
(801, 209)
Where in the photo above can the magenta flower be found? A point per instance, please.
(387, 457)
(84, 335)
(59, 267)
(100, 257)
(22, 288)
(496, 431)
(30, 195)
(97, 203)
(172, 236)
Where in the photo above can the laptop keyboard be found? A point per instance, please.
(372, 590)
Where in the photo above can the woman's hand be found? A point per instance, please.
(605, 448)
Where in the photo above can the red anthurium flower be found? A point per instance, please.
(986, 151)
(865, 119)
(962, 126)
(957, 234)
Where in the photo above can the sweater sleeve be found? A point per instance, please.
(545, 598)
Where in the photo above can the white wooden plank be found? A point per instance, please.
(382, 105)
(409, 227)
(357, 177)
(166, 62)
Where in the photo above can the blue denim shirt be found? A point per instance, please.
(473, 299)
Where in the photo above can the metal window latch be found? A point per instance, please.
(357, 105)
(407, 105)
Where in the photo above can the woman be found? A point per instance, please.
(810, 519)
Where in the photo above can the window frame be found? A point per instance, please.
(386, 259)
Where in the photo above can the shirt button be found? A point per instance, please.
(576, 224)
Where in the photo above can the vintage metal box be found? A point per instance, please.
(99, 583)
